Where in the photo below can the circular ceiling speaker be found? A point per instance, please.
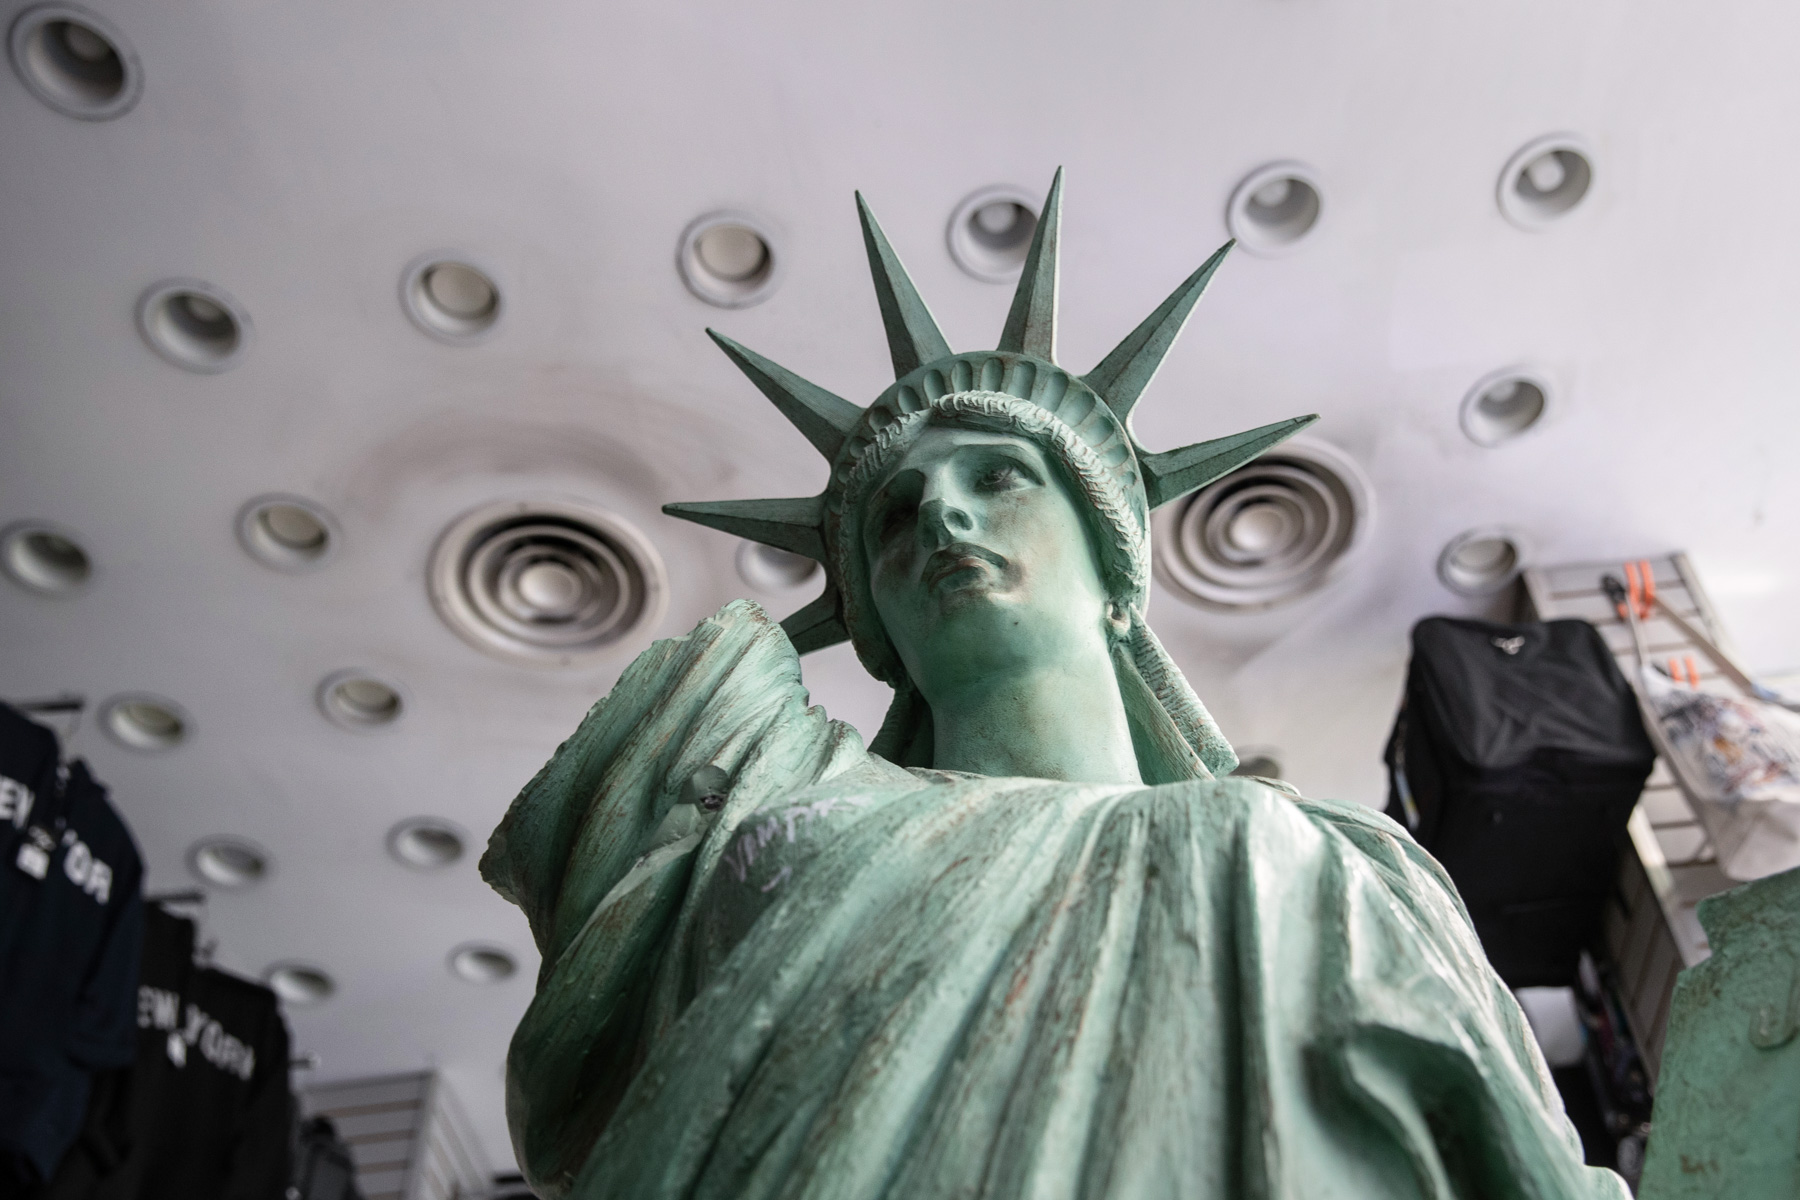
(1545, 180)
(194, 325)
(772, 569)
(140, 721)
(229, 862)
(299, 984)
(1274, 208)
(728, 259)
(359, 701)
(990, 233)
(75, 61)
(425, 843)
(286, 532)
(482, 964)
(449, 299)
(1503, 405)
(44, 558)
(1480, 562)
(550, 582)
(1275, 529)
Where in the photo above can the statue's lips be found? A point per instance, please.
(958, 557)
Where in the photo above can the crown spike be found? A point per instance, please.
(1123, 375)
(913, 337)
(1175, 473)
(785, 524)
(1031, 322)
(826, 419)
(819, 624)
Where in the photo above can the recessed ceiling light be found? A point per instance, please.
(1274, 208)
(286, 532)
(44, 558)
(482, 964)
(359, 701)
(551, 582)
(771, 569)
(1545, 180)
(990, 233)
(1503, 405)
(426, 843)
(229, 862)
(728, 259)
(139, 721)
(1273, 530)
(75, 61)
(449, 298)
(299, 984)
(1259, 761)
(194, 325)
(1480, 562)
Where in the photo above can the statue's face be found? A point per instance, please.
(979, 558)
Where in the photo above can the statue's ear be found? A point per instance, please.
(906, 732)
(1163, 755)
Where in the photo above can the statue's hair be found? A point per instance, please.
(1120, 537)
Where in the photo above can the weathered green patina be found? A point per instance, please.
(1727, 1119)
(1035, 943)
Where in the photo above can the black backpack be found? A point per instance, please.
(1516, 760)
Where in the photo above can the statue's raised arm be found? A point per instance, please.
(1034, 942)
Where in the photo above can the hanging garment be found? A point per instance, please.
(1516, 760)
(209, 1113)
(323, 1168)
(71, 918)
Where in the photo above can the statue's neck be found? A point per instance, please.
(1061, 720)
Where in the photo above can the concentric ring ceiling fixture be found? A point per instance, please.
(44, 558)
(990, 233)
(141, 721)
(1504, 404)
(1269, 532)
(449, 298)
(729, 259)
(1545, 180)
(288, 533)
(550, 582)
(1481, 562)
(1274, 208)
(194, 325)
(75, 61)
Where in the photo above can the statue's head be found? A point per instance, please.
(990, 504)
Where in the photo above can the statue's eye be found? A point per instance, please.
(893, 520)
(1000, 477)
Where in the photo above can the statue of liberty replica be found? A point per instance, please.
(1032, 942)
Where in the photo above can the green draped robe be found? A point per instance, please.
(856, 981)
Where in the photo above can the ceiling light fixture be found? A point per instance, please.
(360, 702)
(772, 569)
(299, 984)
(1504, 404)
(728, 259)
(1274, 208)
(44, 558)
(1273, 530)
(425, 843)
(194, 325)
(287, 533)
(75, 61)
(475, 963)
(229, 862)
(990, 233)
(140, 721)
(1545, 180)
(550, 582)
(1480, 562)
(450, 299)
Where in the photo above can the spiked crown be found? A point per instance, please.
(1096, 407)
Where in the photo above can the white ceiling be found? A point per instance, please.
(299, 156)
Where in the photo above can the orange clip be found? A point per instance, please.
(1693, 672)
(1649, 577)
(1674, 671)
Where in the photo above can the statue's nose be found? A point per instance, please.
(941, 521)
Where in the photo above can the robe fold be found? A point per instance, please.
(852, 980)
